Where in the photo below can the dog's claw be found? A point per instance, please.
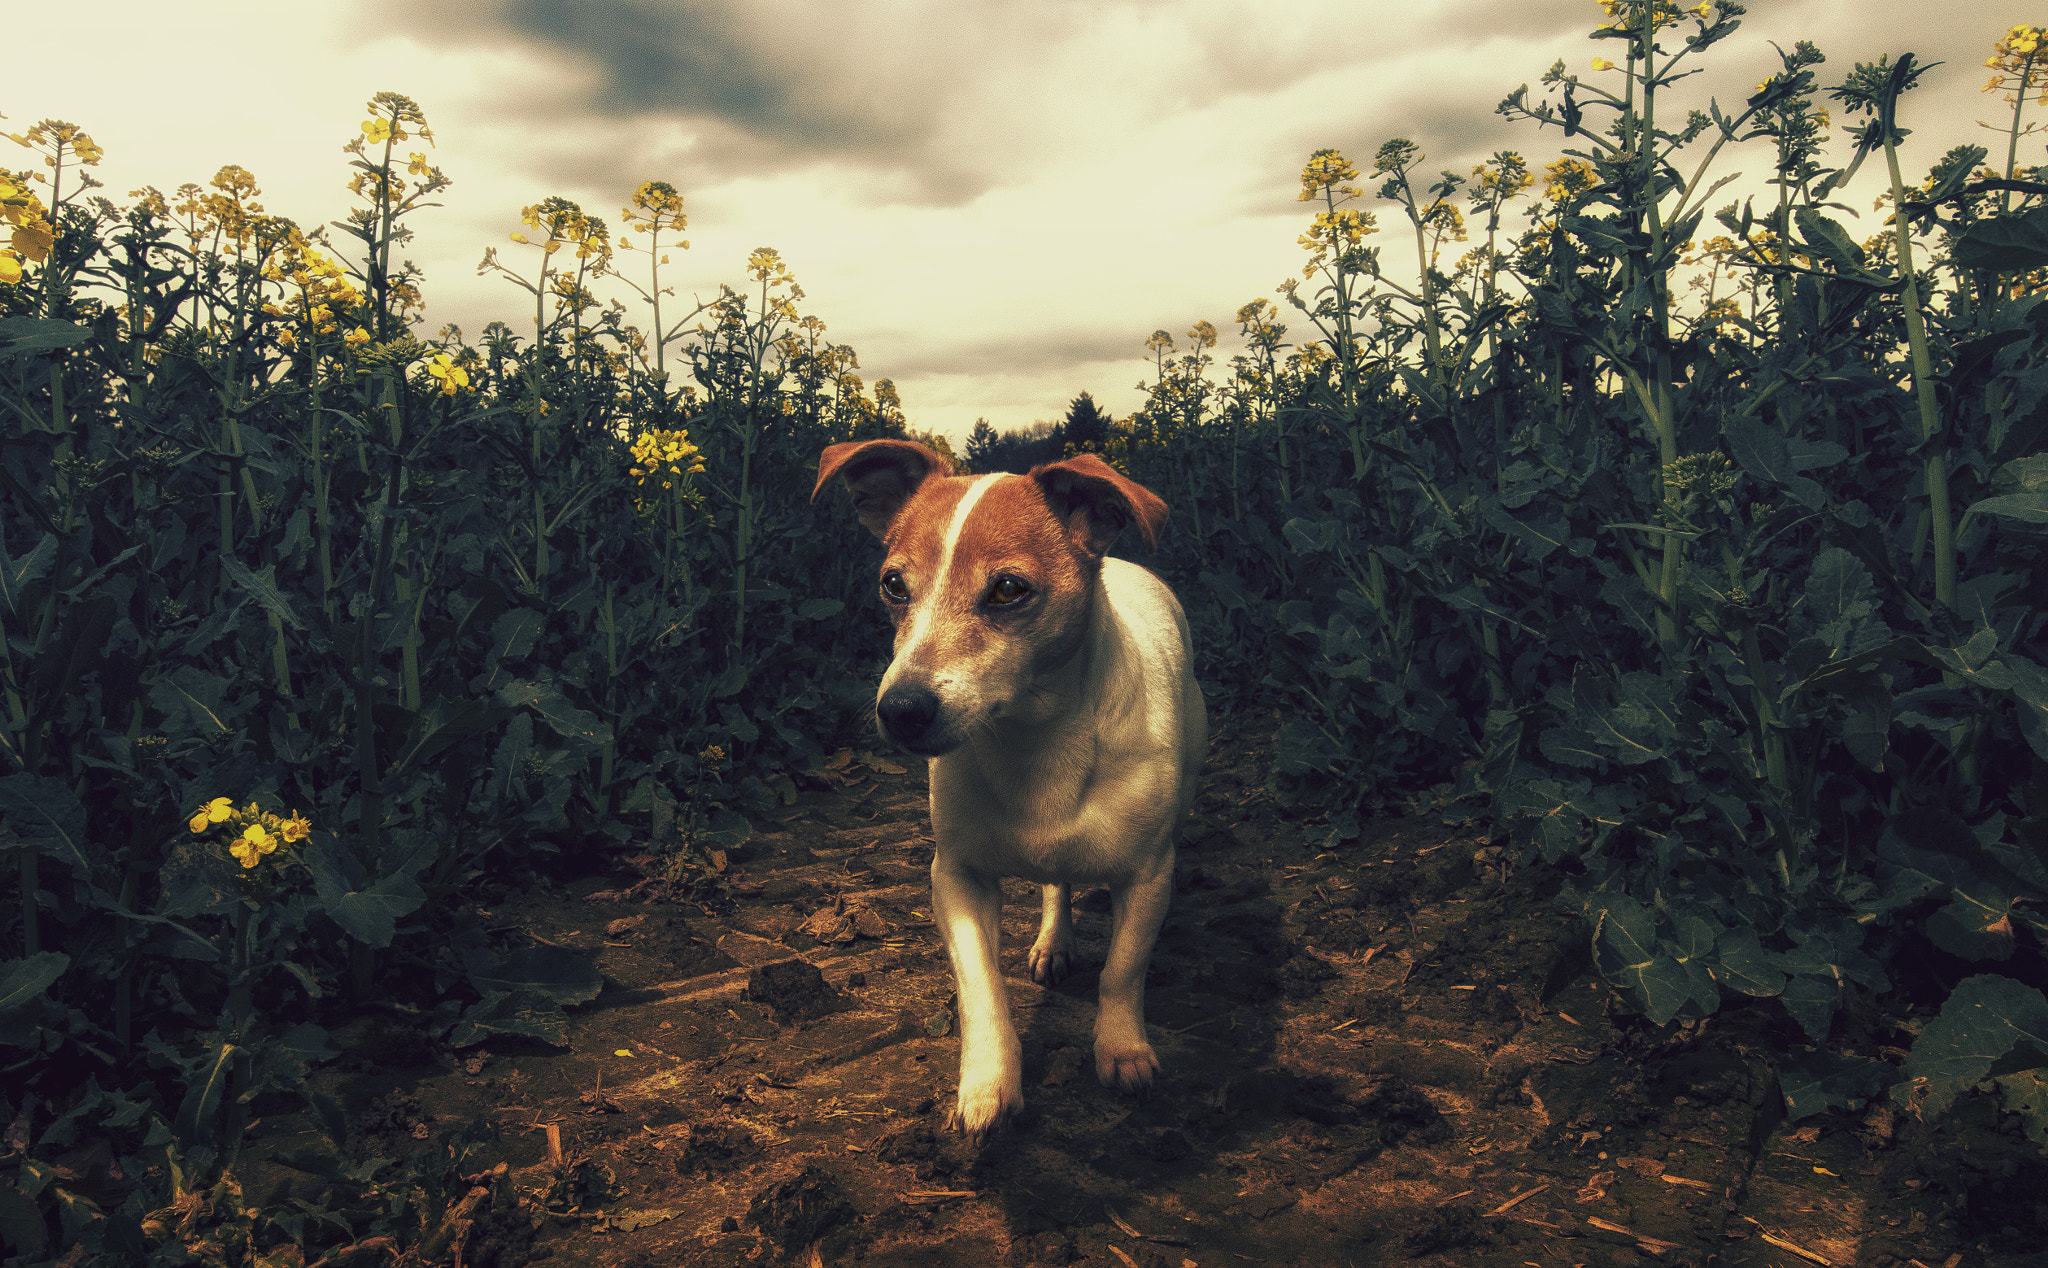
(1127, 1070)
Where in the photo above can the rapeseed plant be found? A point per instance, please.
(251, 833)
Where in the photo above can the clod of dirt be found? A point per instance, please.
(1064, 1067)
(795, 990)
(802, 1209)
(1401, 1111)
(714, 1147)
(1445, 1228)
(1302, 977)
(845, 920)
(667, 938)
(387, 1126)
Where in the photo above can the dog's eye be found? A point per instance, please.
(1005, 591)
(893, 588)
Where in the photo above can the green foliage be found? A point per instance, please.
(1711, 566)
(460, 608)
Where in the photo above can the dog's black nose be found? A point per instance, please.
(907, 713)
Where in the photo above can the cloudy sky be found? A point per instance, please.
(994, 202)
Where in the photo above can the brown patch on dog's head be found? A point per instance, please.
(881, 474)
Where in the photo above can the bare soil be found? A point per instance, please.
(1395, 1054)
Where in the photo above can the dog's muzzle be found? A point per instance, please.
(909, 715)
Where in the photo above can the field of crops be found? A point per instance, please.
(1694, 547)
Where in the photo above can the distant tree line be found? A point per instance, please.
(1018, 451)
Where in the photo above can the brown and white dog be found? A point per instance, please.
(1051, 688)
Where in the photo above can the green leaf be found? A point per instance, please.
(1841, 605)
(22, 1227)
(47, 819)
(196, 1113)
(192, 700)
(1812, 1003)
(1974, 926)
(2006, 244)
(553, 972)
(25, 980)
(1829, 239)
(1982, 1022)
(2025, 1093)
(262, 587)
(367, 910)
(1770, 455)
(728, 828)
(441, 723)
(1628, 952)
(511, 1013)
(20, 336)
(1744, 966)
(819, 609)
(1819, 1080)
(513, 636)
(568, 721)
(25, 571)
(1541, 535)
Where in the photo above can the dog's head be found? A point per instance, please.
(991, 580)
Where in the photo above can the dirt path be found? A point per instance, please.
(1388, 1056)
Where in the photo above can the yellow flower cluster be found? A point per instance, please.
(391, 114)
(1339, 229)
(767, 265)
(324, 288)
(54, 137)
(1327, 170)
(2019, 62)
(253, 831)
(665, 457)
(1255, 322)
(1503, 176)
(561, 223)
(31, 236)
(656, 206)
(1627, 15)
(1567, 178)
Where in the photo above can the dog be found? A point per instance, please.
(1052, 690)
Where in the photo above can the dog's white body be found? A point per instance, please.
(1064, 729)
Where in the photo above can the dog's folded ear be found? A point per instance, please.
(881, 475)
(1096, 501)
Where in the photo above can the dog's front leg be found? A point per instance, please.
(968, 906)
(1053, 954)
(1123, 1058)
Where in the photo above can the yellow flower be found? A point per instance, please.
(376, 130)
(215, 811)
(1601, 63)
(295, 829)
(356, 338)
(452, 376)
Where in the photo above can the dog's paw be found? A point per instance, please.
(979, 1110)
(1051, 961)
(1127, 1069)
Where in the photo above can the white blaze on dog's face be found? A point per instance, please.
(990, 580)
